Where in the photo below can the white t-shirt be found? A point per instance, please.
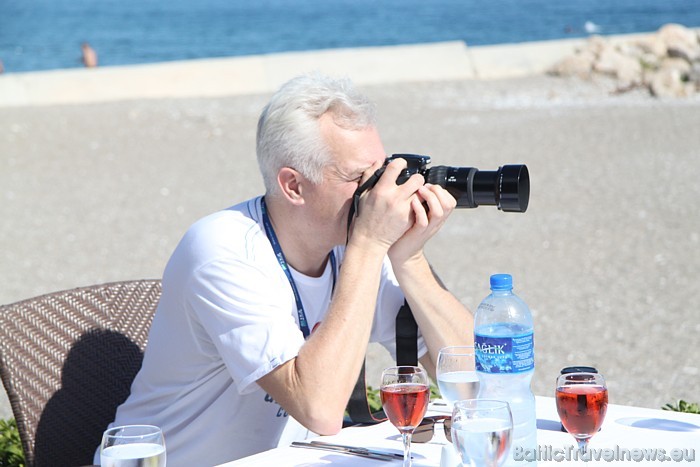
(226, 318)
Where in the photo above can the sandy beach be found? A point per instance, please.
(100, 187)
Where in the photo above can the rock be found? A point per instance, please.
(608, 60)
(694, 75)
(680, 42)
(678, 64)
(627, 70)
(653, 45)
(650, 61)
(579, 65)
(667, 82)
(596, 44)
(629, 73)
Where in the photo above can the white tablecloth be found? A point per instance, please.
(637, 430)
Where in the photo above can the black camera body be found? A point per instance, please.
(508, 187)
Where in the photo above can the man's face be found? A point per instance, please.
(354, 152)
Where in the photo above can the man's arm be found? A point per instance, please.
(442, 319)
(315, 386)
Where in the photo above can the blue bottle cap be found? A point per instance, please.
(501, 282)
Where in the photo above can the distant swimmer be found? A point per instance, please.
(89, 56)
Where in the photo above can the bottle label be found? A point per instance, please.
(504, 354)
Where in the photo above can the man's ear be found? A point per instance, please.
(291, 183)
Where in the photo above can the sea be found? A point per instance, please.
(47, 34)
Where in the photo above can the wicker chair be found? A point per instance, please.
(67, 360)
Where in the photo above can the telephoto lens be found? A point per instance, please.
(507, 188)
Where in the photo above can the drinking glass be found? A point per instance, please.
(482, 430)
(405, 395)
(456, 374)
(133, 446)
(582, 400)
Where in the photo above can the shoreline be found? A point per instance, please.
(260, 74)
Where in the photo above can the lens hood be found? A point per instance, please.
(514, 188)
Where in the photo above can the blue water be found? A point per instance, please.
(46, 34)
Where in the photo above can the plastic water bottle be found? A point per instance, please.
(505, 360)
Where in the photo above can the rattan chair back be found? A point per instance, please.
(67, 360)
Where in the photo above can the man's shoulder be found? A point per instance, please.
(226, 233)
(236, 220)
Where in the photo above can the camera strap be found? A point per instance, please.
(406, 354)
(406, 337)
(406, 334)
(355, 205)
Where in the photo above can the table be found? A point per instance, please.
(625, 428)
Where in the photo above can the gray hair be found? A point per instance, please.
(288, 129)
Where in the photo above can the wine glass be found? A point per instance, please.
(582, 400)
(482, 431)
(456, 374)
(133, 446)
(405, 395)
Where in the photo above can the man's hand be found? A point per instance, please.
(387, 211)
(431, 207)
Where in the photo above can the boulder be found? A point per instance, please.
(579, 65)
(652, 45)
(678, 64)
(680, 42)
(626, 69)
(667, 82)
(694, 76)
(596, 44)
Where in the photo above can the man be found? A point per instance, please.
(228, 371)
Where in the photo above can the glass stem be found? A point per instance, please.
(582, 446)
(407, 448)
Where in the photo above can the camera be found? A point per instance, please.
(508, 187)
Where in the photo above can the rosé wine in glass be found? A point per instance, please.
(405, 404)
(582, 401)
(405, 395)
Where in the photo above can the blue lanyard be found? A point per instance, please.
(303, 324)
